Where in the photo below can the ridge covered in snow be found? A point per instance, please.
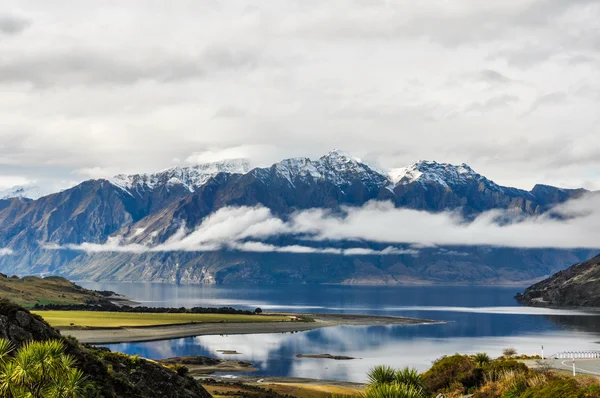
(441, 173)
(25, 192)
(191, 177)
(337, 167)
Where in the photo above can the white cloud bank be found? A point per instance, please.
(575, 224)
(5, 251)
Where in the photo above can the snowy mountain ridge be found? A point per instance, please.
(337, 167)
(24, 192)
(444, 174)
(191, 177)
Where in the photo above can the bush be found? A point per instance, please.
(499, 366)
(509, 352)
(180, 369)
(555, 388)
(447, 371)
(482, 359)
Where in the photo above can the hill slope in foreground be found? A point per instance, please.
(110, 374)
(577, 286)
(31, 290)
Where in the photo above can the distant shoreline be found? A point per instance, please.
(154, 333)
(425, 283)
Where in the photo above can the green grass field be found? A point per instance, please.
(93, 319)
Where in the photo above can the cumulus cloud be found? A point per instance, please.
(5, 251)
(496, 102)
(260, 154)
(115, 92)
(493, 77)
(575, 224)
(8, 181)
(11, 24)
(554, 98)
(68, 68)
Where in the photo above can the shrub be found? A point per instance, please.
(482, 359)
(509, 352)
(448, 370)
(179, 368)
(499, 366)
(555, 388)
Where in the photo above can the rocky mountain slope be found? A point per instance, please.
(150, 209)
(577, 286)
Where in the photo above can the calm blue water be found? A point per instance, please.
(480, 319)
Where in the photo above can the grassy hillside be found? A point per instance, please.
(577, 286)
(106, 374)
(31, 290)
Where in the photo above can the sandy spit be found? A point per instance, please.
(139, 334)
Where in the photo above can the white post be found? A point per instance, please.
(574, 366)
(542, 352)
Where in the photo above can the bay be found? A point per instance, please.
(477, 319)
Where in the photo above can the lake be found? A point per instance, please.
(479, 319)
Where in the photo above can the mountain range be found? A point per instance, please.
(146, 210)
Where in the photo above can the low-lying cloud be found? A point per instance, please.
(5, 251)
(575, 224)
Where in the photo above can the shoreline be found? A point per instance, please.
(417, 283)
(154, 333)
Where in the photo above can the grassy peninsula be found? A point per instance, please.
(98, 319)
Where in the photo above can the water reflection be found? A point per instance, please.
(479, 319)
(274, 354)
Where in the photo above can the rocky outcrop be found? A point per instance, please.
(577, 286)
(20, 326)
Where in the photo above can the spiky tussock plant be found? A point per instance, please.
(381, 374)
(39, 369)
(410, 377)
(387, 382)
(482, 359)
(393, 390)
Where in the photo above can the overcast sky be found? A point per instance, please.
(91, 89)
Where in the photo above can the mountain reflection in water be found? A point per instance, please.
(480, 319)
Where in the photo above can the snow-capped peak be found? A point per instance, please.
(337, 166)
(191, 177)
(444, 174)
(24, 191)
(339, 155)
